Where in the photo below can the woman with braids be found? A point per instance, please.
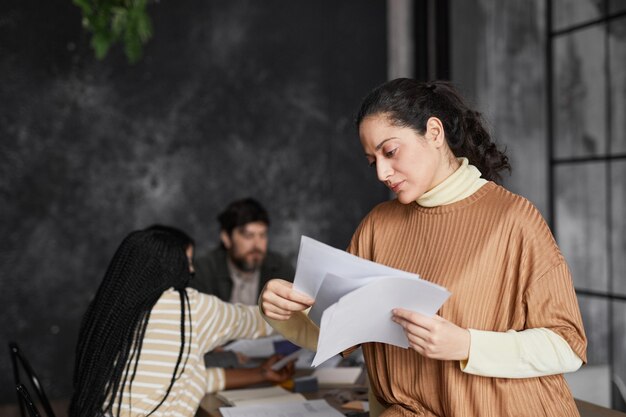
(142, 341)
(500, 344)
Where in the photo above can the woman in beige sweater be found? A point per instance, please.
(500, 344)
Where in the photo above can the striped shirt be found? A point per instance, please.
(213, 322)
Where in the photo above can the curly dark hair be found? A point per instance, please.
(410, 103)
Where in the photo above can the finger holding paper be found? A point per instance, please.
(433, 337)
(277, 375)
(279, 300)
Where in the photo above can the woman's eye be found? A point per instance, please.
(391, 153)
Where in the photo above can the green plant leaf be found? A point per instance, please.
(100, 43)
(119, 21)
(112, 21)
(133, 49)
(144, 27)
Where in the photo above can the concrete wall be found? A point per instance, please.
(231, 99)
(498, 61)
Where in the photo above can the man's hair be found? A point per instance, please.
(242, 212)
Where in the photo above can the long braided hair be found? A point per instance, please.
(147, 263)
(410, 103)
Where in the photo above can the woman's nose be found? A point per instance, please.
(383, 171)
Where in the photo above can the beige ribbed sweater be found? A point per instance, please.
(496, 255)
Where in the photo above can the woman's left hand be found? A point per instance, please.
(433, 337)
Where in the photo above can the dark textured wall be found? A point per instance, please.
(232, 98)
(498, 59)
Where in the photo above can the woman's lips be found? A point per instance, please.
(395, 187)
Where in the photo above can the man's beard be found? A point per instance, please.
(244, 265)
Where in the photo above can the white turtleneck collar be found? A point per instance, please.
(464, 182)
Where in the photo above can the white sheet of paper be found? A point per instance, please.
(285, 360)
(255, 348)
(364, 315)
(232, 396)
(334, 287)
(313, 408)
(316, 259)
(338, 375)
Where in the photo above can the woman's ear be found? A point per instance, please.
(434, 132)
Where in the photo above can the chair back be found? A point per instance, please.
(21, 367)
(26, 401)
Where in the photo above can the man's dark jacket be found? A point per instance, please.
(212, 275)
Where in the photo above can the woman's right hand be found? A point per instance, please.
(279, 300)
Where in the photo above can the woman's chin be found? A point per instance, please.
(404, 198)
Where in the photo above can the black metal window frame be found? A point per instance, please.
(607, 158)
(431, 32)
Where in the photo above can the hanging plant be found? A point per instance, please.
(112, 21)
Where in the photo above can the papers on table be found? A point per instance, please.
(259, 396)
(354, 298)
(285, 360)
(272, 402)
(313, 408)
(347, 375)
(255, 348)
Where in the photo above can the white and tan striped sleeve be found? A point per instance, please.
(218, 322)
(216, 379)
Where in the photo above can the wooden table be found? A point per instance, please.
(592, 410)
(335, 396)
(209, 407)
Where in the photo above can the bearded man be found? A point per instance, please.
(237, 270)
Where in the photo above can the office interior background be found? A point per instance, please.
(235, 98)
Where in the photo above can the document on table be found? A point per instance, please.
(255, 348)
(259, 396)
(344, 375)
(364, 314)
(313, 408)
(317, 260)
(292, 357)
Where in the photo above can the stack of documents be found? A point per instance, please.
(354, 298)
(313, 408)
(259, 396)
(255, 348)
(339, 376)
(272, 402)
